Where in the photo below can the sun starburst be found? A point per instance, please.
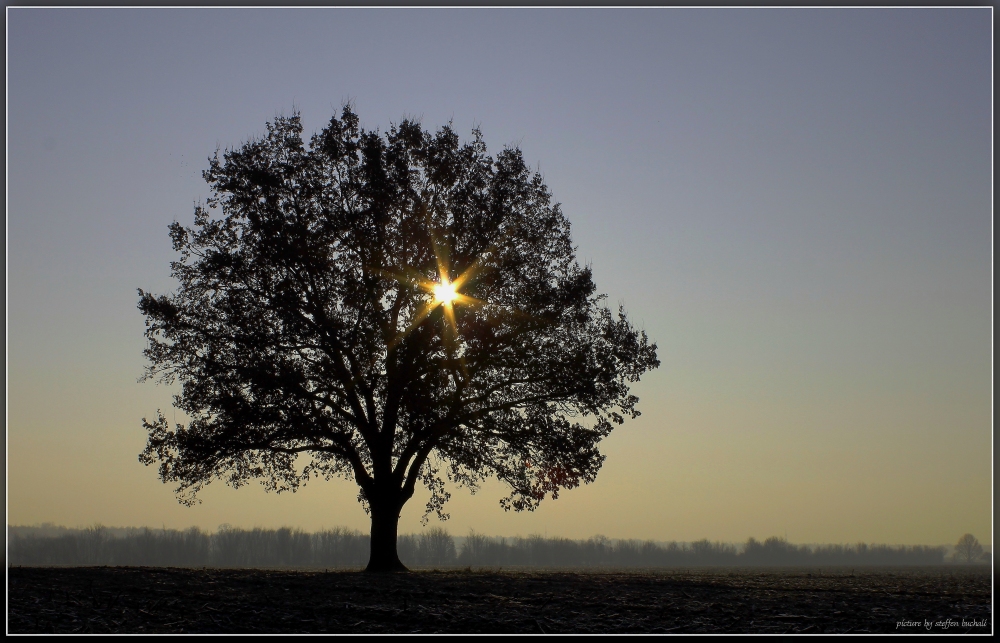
(444, 292)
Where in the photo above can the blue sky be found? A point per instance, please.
(795, 204)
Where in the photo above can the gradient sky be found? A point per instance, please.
(794, 204)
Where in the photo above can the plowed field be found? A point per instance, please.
(134, 599)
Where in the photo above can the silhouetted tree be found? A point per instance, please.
(968, 548)
(395, 307)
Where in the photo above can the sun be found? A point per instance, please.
(445, 293)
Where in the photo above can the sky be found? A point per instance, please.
(796, 206)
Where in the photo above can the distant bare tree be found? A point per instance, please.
(968, 549)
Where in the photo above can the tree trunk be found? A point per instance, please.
(385, 521)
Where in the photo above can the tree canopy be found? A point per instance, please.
(395, 308)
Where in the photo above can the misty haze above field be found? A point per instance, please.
(230, 547)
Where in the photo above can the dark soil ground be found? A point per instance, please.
(147, 599)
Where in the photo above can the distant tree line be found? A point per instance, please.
(536, 551)
(343, 548)
(228, 547)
